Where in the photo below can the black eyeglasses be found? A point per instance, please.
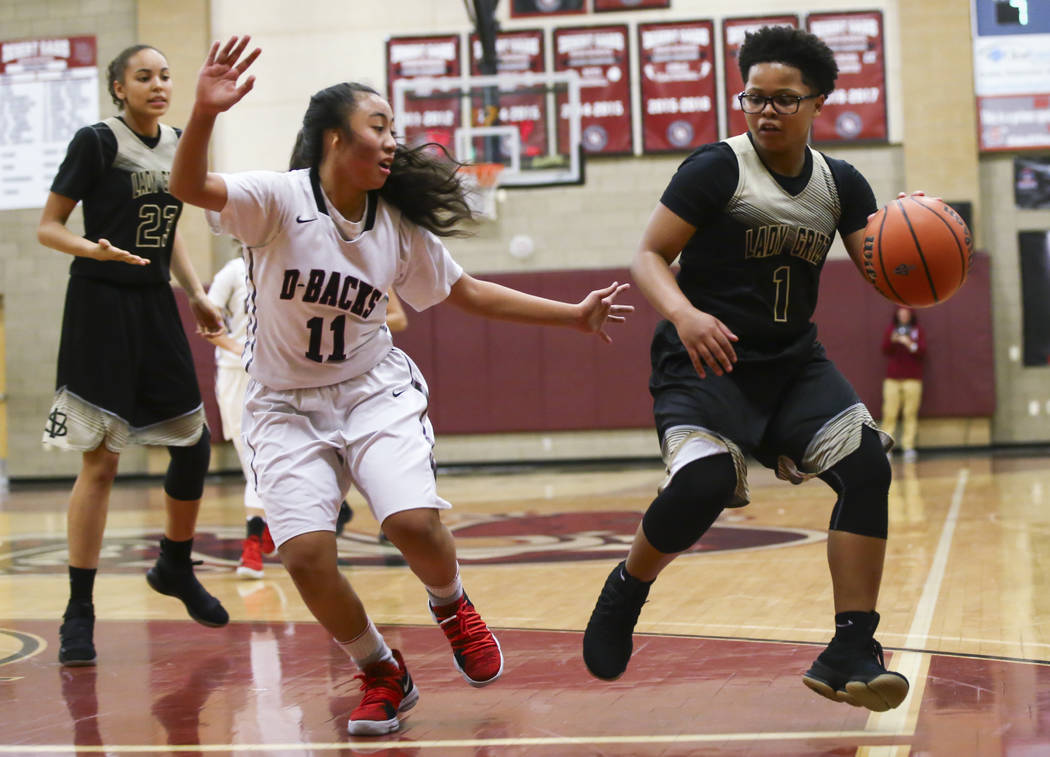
(783, 104)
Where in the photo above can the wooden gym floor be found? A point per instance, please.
(719, 652)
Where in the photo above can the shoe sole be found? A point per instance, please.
(152, 581)
(78, 663)
(383, 727)
(243, 571)
(882, 693)
(486, 682)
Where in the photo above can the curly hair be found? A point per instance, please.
(423, 183)
(793, 47)
(118, 67)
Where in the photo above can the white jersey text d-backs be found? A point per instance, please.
(316, 305)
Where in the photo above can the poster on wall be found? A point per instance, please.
(517, 52)
(520, 8)
(677, 78)
(48, 90)
(434, 118)
(856, 109)
(1035, 296)
(1011, 68)
(599, 54)
(733, 32)
(629, 5)
(1032, 182)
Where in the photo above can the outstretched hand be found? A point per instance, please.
(217, 87)
(108, 251)
(599, 308)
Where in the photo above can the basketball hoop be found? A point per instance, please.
(481, 181)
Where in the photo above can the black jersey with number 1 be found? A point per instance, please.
(761, 241)
(122, 180)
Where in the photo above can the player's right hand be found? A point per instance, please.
(106, 251)
(708, 341)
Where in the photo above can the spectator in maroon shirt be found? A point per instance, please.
(904, 343)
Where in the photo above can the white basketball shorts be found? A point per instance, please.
(308, 446)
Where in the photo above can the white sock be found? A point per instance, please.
(446, 595)
(367, 648)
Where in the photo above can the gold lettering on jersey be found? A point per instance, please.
(148, 182)
(786, 239)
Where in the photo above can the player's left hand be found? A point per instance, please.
(599, 308)
(209, 317)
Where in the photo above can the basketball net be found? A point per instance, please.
(481, 181)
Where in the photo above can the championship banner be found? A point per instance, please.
(733, 32)
(599, 54)
(517, 52)
(436, 118)
(628, 5)
(48, 90)
(677, 75)
(520, 8)
(856, 109)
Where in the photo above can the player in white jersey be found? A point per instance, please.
(229, 293)
(331, 400)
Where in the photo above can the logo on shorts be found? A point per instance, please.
(56, 424)
(399, 392)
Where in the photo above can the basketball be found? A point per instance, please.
(917, 251)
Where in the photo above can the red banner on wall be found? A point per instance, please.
(434, 119)
(677, 75)
(599, 54)
(856, 110)
(629, 5)
(517, 52)
(733, 33)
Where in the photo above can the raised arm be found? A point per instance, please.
(707, 340)
(491, 300)
(217, 91)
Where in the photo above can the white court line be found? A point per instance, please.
(373, 745)
(913, 665)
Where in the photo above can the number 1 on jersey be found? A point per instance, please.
(782, 281)
(316, 327)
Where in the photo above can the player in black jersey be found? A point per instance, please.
(737, 370)
(125, 373)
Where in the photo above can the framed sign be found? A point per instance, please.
(856, 109)
(676, 72)
(628, 5)
(430, 119)
(599, 54)
(517, 52)
(733, 32)
(520, 8)
(48, 90)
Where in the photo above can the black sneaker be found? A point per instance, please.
(607, 641)
(344, 517)
(175, 580)
(76, 636)
(855, 672)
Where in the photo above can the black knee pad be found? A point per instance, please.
(862, 481)
(187, 469)
(690, 503)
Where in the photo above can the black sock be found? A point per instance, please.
(854, 625)
(176, 551)
(256, 526)
(81, 584)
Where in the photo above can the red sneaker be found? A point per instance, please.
(475, 650)
(389, 690)
(268, 547)
(251, 559)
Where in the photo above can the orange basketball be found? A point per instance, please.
(917, 251)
